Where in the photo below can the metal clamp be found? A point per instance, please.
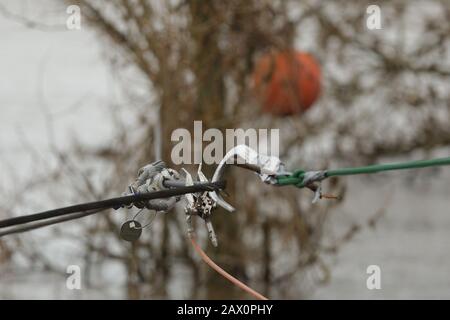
(200, 204)
(152, 178)
(266, 167)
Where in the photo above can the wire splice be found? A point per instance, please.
(310, 179)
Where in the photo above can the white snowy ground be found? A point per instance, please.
(61, 69)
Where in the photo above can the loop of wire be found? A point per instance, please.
(150, 220)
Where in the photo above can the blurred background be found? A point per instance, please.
(81, 111)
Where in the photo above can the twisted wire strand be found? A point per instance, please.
(301, 178)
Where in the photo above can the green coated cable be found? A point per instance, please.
(297, 178)
(390, 166)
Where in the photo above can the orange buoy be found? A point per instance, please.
(287, 83)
